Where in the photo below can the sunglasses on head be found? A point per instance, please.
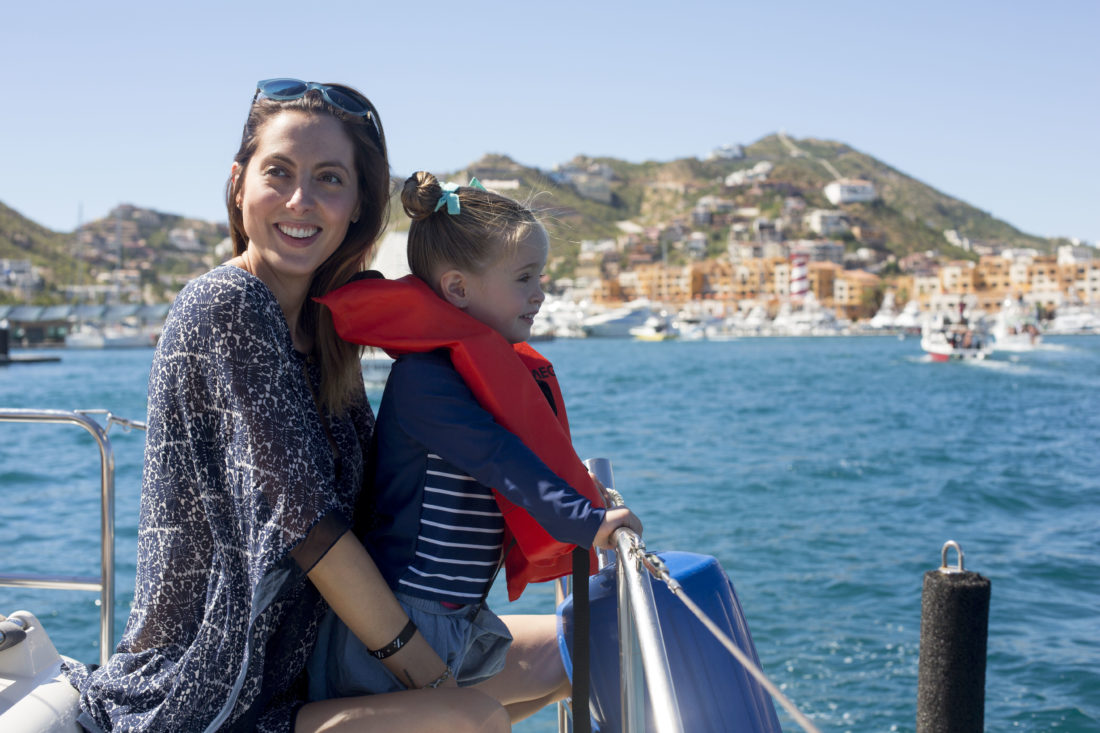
(340, 97)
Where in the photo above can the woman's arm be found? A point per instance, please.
(350, 582)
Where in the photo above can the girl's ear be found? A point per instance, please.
(452, 285)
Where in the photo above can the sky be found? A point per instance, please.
(995, 103)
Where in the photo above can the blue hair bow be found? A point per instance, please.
(450, 197)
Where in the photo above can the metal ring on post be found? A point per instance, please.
(943, 557)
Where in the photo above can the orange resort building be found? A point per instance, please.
(1038, 279)
(852, 293)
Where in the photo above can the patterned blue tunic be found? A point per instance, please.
(242, 493)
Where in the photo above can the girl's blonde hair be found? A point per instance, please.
(487, 227)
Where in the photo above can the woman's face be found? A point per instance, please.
(299, 194)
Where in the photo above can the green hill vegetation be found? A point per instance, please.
(22, 239)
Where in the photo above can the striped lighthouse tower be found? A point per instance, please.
(800, 280)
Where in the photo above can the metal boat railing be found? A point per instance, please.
(645, 675)
(105, 583)
(643, 660)
(644, 671)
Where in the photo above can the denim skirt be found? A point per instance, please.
(471, 639)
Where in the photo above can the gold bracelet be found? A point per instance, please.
(439, 680)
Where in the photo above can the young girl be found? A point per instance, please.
(461, 417)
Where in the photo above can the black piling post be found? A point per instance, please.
(954, 626)
(5, 334)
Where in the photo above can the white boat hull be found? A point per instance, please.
(35, 697)
(940, 349)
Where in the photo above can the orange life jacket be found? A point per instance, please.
(406, 316)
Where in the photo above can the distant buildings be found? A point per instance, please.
(758, 172)
(849, 191)
(826, 222)
(19, 276)
(956, 240)
(727, 152)
(590, 180)
(841, 257)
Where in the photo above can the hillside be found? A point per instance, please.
(902, 197)
(22, 239)
(907, 216)
(582, 200)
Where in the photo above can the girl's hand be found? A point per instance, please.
(613, 520)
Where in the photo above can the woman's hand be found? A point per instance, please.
(348, 579)
(613, 520)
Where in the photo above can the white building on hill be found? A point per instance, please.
(826, 222)
(758, 172)
(849, 191)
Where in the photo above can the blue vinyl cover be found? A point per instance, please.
(713, 691)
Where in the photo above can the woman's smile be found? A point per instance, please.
(298, 231)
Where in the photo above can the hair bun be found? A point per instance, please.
(420, 195)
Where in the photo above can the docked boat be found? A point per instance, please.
(1075, 318)
(617, 322)
(885, 318)
(806, 318)
(909, 321)
(753, 323)
(559, 317)
(681, 664)
(109, 336)
(655, 328)
(945, 340)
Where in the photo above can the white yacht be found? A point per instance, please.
(886, 316)
(617, 322)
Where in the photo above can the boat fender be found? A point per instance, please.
(954, 624)
(12, 631)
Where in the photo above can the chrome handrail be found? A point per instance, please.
(643, 660)
(105, 584)
(644, 671)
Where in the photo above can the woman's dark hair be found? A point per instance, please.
(339, 359)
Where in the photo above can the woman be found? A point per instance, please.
(258, 424)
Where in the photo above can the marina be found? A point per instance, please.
(824, 503)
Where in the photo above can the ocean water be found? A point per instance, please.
(824, 474)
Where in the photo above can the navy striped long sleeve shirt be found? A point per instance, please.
(439, 532)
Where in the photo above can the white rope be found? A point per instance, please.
(657, 569)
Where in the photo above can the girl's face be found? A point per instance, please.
(300, 192)
(507, 295)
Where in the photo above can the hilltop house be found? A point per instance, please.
(727, 152)
(591, 181)
(757, 173)
(826, 222)
(849, 191)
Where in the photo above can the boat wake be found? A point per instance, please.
(997, 365)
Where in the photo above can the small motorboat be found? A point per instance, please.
(945, 340)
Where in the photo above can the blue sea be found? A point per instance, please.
(824, 474)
